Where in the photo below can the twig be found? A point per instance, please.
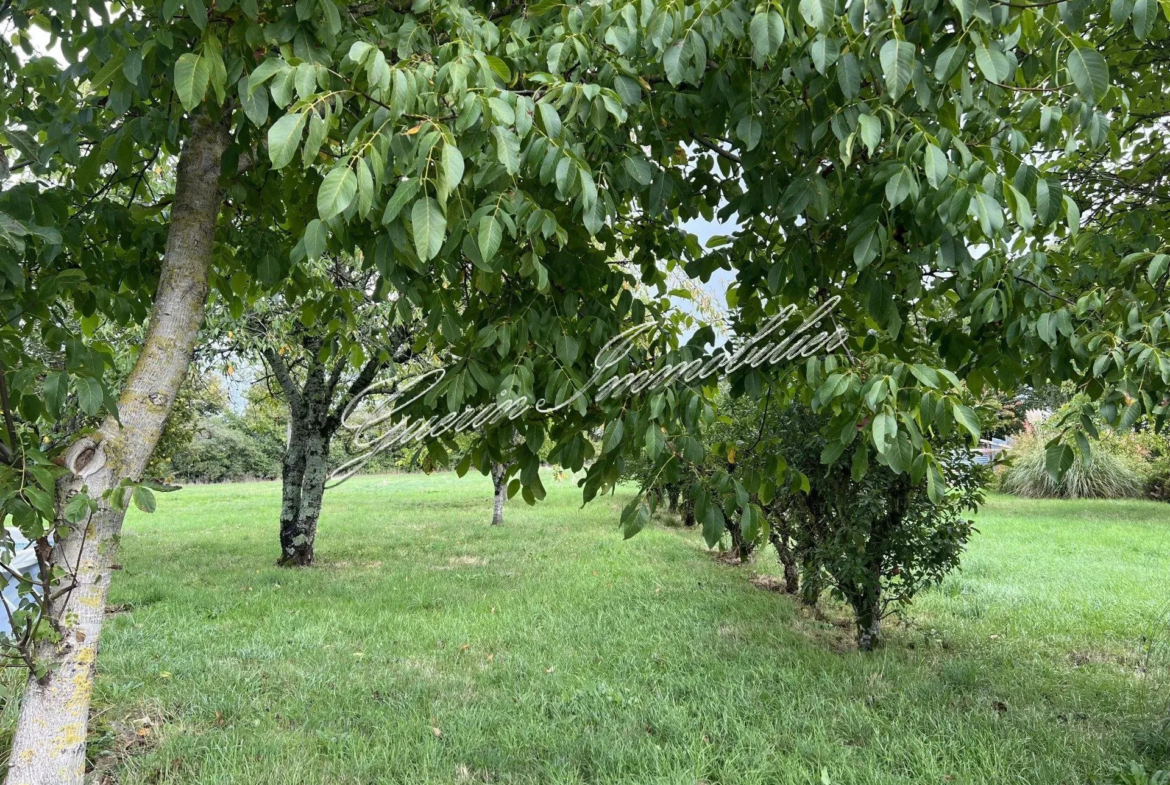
(730, 156)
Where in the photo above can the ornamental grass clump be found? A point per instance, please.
(1112, 471)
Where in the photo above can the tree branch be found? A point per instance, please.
(730, 156)
(281, 372)
(363, 380)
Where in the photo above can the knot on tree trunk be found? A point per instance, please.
(85, 457)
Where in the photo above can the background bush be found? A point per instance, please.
(1116, 470)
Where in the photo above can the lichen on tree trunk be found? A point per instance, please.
(48, 746)
(292, 477)
(314, 418)
(312, 492)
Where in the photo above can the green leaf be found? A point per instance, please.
(965, 416)
(1158, 266)
(936, 166)
(612, 436)
(749, 130)
(859, 465)
(77, 508)
(452, 165)
(365, 188)
(191, 76)
(885, 430)
(1058, 459)
(1090, 73)
(283, 138)
(870, 129)
(825, 52)
(198, 13)
(337, 191)
(265, 71)
(143, 498)
(867, 250)
(900, 186)
(986, 63)
(90, 395)
(936, 486)
(305, 80)
(491, 234)
(1145, 13)
(897, 58)
(255, 102)
(429, 226)
(767, 34)
(403, 193)
(500, 69)
(507, 148)
(550, 121)
(132, 66)
(1073, 215)
(818, 13)
(316, 236)
(849, 75)
(948, 62)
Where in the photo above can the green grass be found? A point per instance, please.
(550, 651)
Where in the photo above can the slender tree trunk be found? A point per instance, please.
(743, 549)
(48, 746)
(688, 512)
(500, 485)
(672, 492)
(869, 622)
(292, 477)
(813, 582)
(787, 556)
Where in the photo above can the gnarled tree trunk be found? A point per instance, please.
(313, 420)
(48, 746)
(787, 556)
(500, 486)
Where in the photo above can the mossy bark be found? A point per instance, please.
(48, 746)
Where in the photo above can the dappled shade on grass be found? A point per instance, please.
(427, 646)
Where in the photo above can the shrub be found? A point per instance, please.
(876, 540)
(224, 449)
(1114, 471)
(1155, 448)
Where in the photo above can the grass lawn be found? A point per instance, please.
(429, 647)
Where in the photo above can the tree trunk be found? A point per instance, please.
(688, 512)
(787, 556)
(869, 623)
(672, 492)
(48, 746)
(743, 549)
(292, 478)
(813, 582)
(500, 485)
(299, 552)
